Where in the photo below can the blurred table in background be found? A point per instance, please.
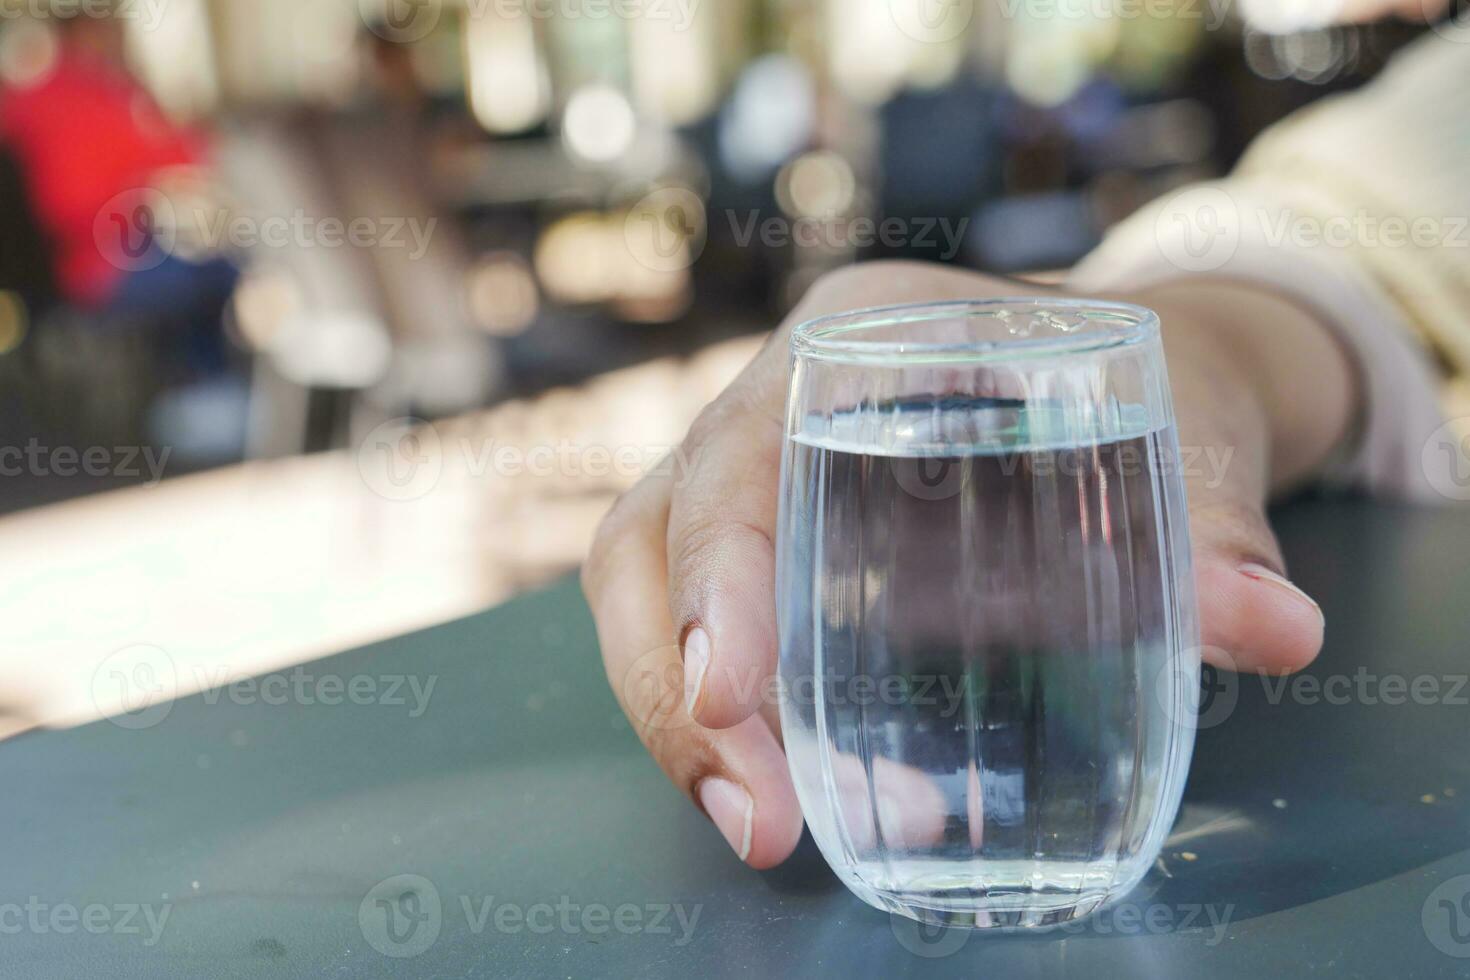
(228, 574)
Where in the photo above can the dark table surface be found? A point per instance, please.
(512, 826)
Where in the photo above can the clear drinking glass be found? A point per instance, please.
(989, 645)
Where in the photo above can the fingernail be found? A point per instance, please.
(1261, 573)
(731, 809)
(696, 665)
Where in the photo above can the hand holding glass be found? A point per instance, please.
(989, 647)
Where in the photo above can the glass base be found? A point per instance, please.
(999, 909)
(1038, 913)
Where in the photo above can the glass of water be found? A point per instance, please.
(989, 645)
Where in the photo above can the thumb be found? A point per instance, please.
(1248, 606)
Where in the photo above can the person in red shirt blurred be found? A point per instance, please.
(96, 151)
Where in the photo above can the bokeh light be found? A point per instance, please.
(820, 184)
(508, 86)
(503, 295)
(599, 124)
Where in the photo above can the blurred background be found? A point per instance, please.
(248, 246)
(247, 230)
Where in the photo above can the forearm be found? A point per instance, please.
(1348, 209)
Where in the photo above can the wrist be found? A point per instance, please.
(1270, 365)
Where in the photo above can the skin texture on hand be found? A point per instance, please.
(681, 578)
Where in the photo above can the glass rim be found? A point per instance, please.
(828, 337)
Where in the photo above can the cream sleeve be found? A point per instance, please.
(1358, 207)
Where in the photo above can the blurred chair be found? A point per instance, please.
(76, 374)
(311, 314)
(25, 268)
(349, 335)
